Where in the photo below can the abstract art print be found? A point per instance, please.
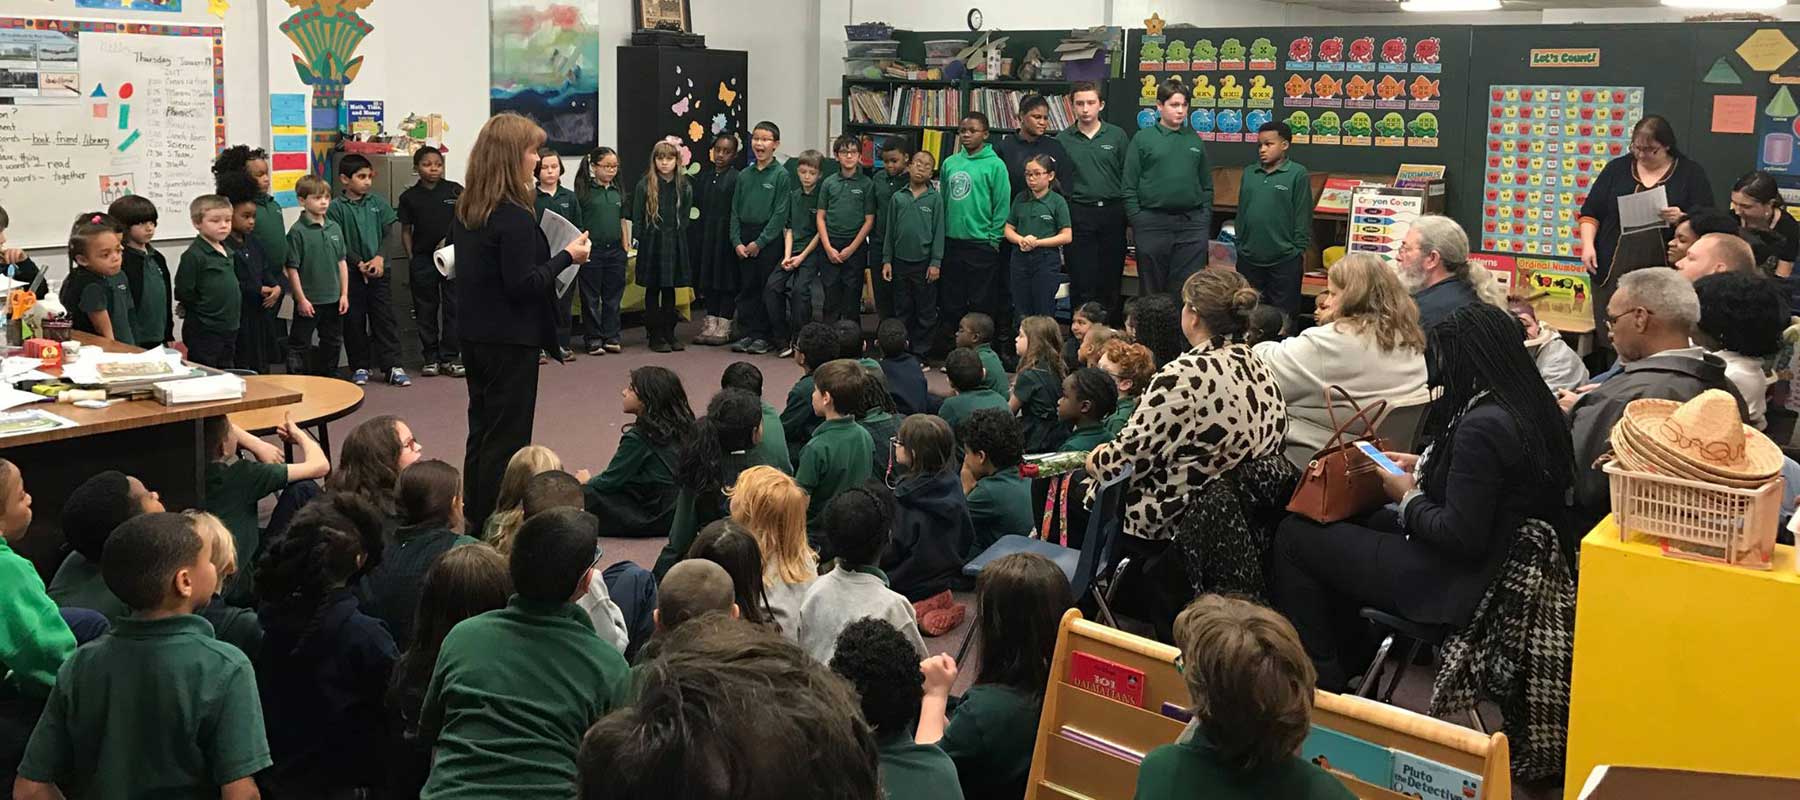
(545, 64)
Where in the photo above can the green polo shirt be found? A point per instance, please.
(797, 417)
(150, 310)
(206, 283)
(773, 449)
(990, 737)
(1195, 769)
(233, 488)
(761, 202)
(915, 227)
(803, 217)
(1115, 421)
(958, 407)
(1042, 217)
(996, 371)
(270, 230)
(513, 691)
(1085, 438)
(847, 203)
(635, 463)
(79, 584)
(34, 639)
(1099, 163)
(92, 292)
(315, 250)
(156, 708)
(563, 202)
(916, 771)
(365, 221)
(1000, 504)
(885, 187)
(1038, 391)
(838, 457)
(601, 214)
(1166, 170)
(1274, 220)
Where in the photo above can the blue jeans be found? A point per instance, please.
(1036, 275)
(791, 297)
(602, 282)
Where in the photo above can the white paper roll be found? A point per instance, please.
(445, 259)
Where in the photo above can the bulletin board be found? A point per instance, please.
(91, 111)
(1546, 143)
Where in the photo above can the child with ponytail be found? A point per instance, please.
(97, 293)
(602, 278)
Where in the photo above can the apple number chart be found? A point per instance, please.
(1546, 144)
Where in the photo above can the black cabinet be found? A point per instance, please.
(683, 92)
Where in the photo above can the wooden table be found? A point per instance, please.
(161, 445)
(322, 402)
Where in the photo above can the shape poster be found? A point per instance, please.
(1777, 130)
(1545, 146)
(1380, 217)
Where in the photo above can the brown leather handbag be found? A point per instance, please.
(1340, 482)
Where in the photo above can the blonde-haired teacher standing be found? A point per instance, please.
(506, 279)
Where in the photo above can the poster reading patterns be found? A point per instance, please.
(1545, 147)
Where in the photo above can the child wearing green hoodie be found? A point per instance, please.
(977, 200)
(34, 639)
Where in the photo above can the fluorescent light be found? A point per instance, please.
(1450, 5)
(1725, 5)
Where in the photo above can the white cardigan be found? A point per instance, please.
(1327, 355)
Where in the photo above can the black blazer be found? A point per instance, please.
(506, 280)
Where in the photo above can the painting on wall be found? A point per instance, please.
(326, 34)
(545, 64)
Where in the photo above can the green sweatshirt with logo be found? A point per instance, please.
(977, 196)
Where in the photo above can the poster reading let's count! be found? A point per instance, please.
(1545, 147)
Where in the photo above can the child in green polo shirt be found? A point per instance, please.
(602, 279)
(90, 514)
(815, 345)
(837, 457)
(317, 270)
(759, 213)
(969, 378)
(793, 290)
(34, 638)
(147, 271)
(1039, 384)
(1242, 741)
(999, 497)
(895, 173)
(97, 293)
(912, 252)
(1274, 221)
(158, 702)
(206, 286)
(635, 495)
(1088, 398)
(1038, 226)
(371, 229)
(976, 332)
(515, 688)
(234, 486)
(879, 662)
(846, 215)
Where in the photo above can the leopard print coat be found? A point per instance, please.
(1204, 413)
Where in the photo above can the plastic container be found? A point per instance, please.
(885, 48)
(868, 31)
(944, 48)
(1698, 521)
(862, 68)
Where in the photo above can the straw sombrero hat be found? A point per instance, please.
(1638, 457)
(1703, 439)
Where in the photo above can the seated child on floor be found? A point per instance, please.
(932, 531)
(969, 379)
(429, 496)
(905, 376)
(881, 665)
(838, 456)
(727, 544)
(234, 485)
(856, 523)
(999, 497)
(91, 513)
(635, 495)
(507, 517)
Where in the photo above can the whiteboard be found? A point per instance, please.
(97, 110)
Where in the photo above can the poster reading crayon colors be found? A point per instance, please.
(1380, 216)
(1545, 146)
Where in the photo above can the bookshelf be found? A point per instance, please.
(893, 105)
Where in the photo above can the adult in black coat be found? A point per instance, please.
(506, 285)
(1505, 457)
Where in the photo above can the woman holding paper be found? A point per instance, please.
(506, 285)
(1653, 163)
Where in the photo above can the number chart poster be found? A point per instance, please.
(1545, 146)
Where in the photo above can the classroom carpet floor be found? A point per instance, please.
(579, 416)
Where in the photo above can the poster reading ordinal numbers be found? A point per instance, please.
(1545, 147)
(1380, 217)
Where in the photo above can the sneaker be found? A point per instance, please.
(430, 370)
(613, 347)
(360, 377)
(454, 369)
(567, 354)
(742, 345)
(596, 349)
(759, 348)
(543, 357)
(786, 352)
(397, 377)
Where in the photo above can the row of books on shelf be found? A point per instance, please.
(1002, 107)
(905, 105)
(929, 140)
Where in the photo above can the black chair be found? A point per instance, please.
(1418, 636)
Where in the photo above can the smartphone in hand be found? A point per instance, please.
(1380, 458)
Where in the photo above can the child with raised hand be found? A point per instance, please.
(1085, 318)
(514, 689)
(463, 582)
(1019, 603)
(1038, 226)
(231, 624)
(507, 517)
(235, 485)
(794, 291)
(34, 639)
(772, 507)
(147, 271)
(1252, 686)
(968, 378)
(426, 211)
(89, 516)
(659, 218)
(839, 455)
(97, 294)
(371, 335)
(905, 375)
(857, 525)
(815, 345)
(206, 285)
(709, 239)
(771, 446)
(999, 497)
(318, 275)
(846, 218)
(325, 664)
(710, 460)
(635, 495)
(1039, 384)
(976, 332)
(606, 217)
(726, 543)
(880, 664)
(551, 195)
(429, 498)
(1131, 365)
(912, 251)
(193, 727)
(932, 531)
(1088, 398)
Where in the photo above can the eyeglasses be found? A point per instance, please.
(1613, 319)
(1647, 149)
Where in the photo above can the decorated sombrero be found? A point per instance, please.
(1703, 439)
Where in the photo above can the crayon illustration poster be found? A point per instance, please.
(1545, 146)
(1380, 217)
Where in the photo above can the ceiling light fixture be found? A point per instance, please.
(1449, 5)
(1725, 5)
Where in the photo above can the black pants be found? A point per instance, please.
(791, 296)
(753, 273)
(969, 282)
(915, 300)
(433, 297)
(1096, 257)
(1320, 578)
(659, 314)
(720, 303)
(371, 337)
(1278, 282)
(882, 288)
(842, 283)
(213, 348)
(323, 359)
(1170, 247)
(503, 387)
